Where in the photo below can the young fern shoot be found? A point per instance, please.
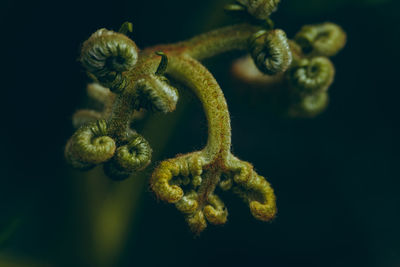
(128, 79)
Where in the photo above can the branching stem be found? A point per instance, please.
(140, 80)
(194, 75)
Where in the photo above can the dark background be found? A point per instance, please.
(336, 177)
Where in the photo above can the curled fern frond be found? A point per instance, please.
(188, 203)
(106, 55)
(160, 182)
(215, 211)
(311, 75)
(260, 9)
(166, 182)
(134, 156)
(125, 83)
(270, 51)
(155, 93)
(255, 190)
(310, 105)
(325, 39)
(90, 145)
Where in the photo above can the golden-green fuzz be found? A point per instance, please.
(128, 80)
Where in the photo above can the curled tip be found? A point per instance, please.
(163, 63)
(226, 184)
(262, 212)
(311, 75)
(310, 105)
(197, 222)
(166, 180)
(255, 190)
(270, 51)
(188, 203)
(126, 28)
(264, 208)
(106, 55)
(160, 182)
(325, 39)
(260, 197)
(90, 144)
(260, 9)
(215, 212)
(134, 156)
(155, 93)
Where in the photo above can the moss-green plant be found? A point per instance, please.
(127, 80)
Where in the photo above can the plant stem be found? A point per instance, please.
(121, 114)
(220, 41)
(194, 75)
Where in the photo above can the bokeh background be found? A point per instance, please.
(336, 177)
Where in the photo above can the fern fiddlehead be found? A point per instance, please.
(270, 51)
(106, 55)
(325, 39)
(129, 79)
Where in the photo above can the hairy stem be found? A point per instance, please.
(121, 114)
(220, 41)
(207, 187)
(194, 75)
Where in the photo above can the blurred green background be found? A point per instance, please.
(336, 177)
